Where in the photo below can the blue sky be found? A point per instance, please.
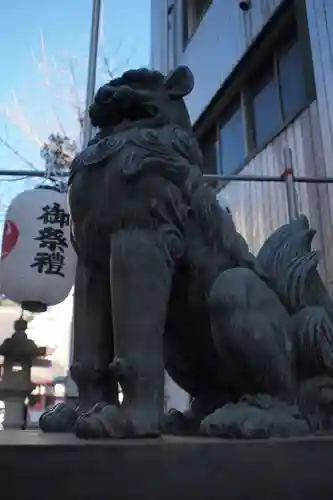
(34, 101)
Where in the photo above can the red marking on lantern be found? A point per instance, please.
(10, 236)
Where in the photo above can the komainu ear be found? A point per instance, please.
(180, 82)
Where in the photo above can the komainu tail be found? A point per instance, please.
(287, 258)
(291, 265)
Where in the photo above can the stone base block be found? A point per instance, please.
(60, 467)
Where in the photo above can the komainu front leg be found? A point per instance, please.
(92, 350)
(141, 275)
(251, 330)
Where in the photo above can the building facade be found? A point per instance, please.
(263, 74)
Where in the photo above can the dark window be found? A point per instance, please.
(232, 141)
(208, 145)
(278, 90)
(193, 12)
(171, 29)
(267, 118)
(275, 82)
(292, 81)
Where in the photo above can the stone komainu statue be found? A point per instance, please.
(164, 281)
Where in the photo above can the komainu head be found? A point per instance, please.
(143, 95)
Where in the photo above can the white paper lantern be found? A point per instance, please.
(38, 262)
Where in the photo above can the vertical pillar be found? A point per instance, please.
(71, 390)
(288, 176)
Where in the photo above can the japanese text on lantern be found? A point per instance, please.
(52, 240)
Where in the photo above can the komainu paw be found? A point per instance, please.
(116, 422)
(255, 417)
(60, 418)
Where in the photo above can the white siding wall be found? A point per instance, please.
(215, 48)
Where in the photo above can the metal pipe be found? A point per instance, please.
(87, 127)
(314, 180)
(288, 177)
(27, 173)
(261, 178)
(92, 65)
(291, 196)
(250, 178)
(226, 178)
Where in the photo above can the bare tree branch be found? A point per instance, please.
(75, 91)
(17, 153)
(65, 92)
(43, 67)
(17, 116)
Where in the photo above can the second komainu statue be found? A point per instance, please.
(165, 282)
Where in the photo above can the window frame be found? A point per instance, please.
(269, 63)
(282, 51)
(187, 34)
(239, 82)
(235, 106)
(170, 36)
(211, 133)
(286, 40)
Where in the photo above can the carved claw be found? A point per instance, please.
(252, 419)
(87, 426)
(315, 399)
(187, 423)
(60, 418)
(116, 422)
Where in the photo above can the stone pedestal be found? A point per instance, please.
(56, 467)
(14, 413)
(71, 392)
